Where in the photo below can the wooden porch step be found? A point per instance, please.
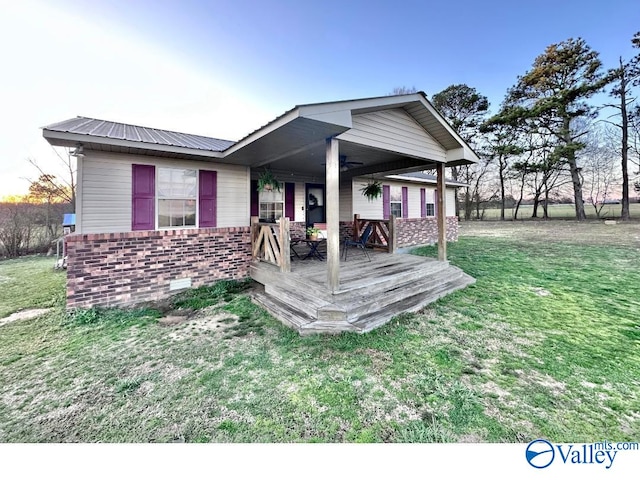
(374, 278)
(364, 304)
(414, 303)
(372, 294)
(287, 314)
(301, 321)
(359, 280)
(299, 298)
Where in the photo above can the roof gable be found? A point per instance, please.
(394, 130)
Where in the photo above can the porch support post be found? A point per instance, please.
(441, 213)
(333, 214)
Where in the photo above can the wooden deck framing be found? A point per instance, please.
(369, 295)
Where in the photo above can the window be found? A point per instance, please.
(271, 204)
(395, 199)
(431, 210)
(177, 194)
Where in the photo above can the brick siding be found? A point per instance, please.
(423, 231)
(118, 269)
(346, 230)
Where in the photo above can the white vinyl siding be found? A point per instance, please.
(361, 205)
(346, 203)
(299, 203)
(374, 210)
(106, 194)
(396, 131)
(450, 201)
(105, 201)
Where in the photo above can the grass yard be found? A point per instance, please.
(30, 283)
(545, 344)
(563, 212)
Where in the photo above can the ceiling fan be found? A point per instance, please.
(345, 164)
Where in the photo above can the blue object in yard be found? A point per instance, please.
(69, 220)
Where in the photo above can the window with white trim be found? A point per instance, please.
(177, 197)
(271, 204)
(395, 200)
(431, 210)
(430, 206)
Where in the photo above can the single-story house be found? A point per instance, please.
(159, 211)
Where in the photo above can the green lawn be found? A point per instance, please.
(563, 212)
(29, 282)
(545, 344)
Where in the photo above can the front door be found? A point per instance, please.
(315, 203)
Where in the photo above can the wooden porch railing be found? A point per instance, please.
(271, 243)
(383, 235)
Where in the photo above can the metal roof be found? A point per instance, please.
(122, 131)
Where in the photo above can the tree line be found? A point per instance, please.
(546, 140)
(32, 223)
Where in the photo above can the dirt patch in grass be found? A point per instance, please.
(204, 322)
(24, 315)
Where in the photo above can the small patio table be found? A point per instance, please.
(313, 248)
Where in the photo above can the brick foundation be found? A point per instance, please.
(346, 230)
(423, 231)
(118, 269)
(299, 230)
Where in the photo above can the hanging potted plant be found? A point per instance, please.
(372, 190)
(268, 182)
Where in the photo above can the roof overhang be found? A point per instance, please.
(92, 142)
(296, 139)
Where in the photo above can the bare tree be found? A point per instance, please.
(600, 168)
(64, 188)
(16, 227)
(403, 90)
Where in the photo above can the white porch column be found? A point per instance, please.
(442, 212)
(332, 189)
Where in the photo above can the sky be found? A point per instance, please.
(224, 68)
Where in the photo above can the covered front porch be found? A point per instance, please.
(333, 144)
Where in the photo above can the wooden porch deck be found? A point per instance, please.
(370, 293)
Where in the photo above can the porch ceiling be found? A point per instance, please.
(295, 141)
(310, 161)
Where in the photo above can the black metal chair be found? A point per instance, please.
(361, 243)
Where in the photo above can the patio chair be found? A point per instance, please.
(361, 243)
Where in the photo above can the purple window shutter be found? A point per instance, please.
(255, 207)
(207, 194)
(435, 202)
(423, 203)
(405, 202)
(386, 202)
(143, 197)
(290, 201)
